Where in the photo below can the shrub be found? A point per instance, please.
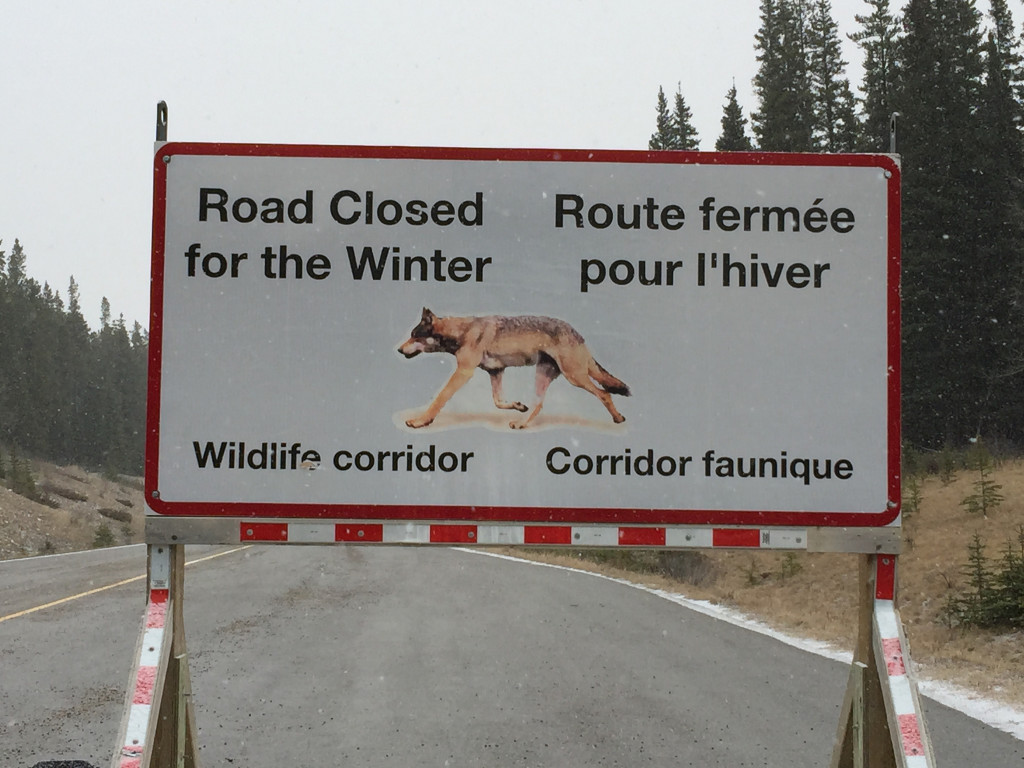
(694, 568)
(986, 496)
(64, 493)
(636, 560)
(790, 566)
(911, 497)
(131, 482)
(686, 566)
(949, 463)
(21, 480)
(121, 515)
(104, 537)
(995, 591)
(19, 475)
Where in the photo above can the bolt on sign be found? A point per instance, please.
(409, 334)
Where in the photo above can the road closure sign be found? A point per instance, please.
(361, 333)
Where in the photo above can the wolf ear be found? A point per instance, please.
(428, 316)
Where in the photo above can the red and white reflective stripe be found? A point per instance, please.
(885, 577)
(558, 535)
(153, 638)
(912, 735)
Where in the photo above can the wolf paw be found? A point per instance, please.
(418, 422)
(515, 406)
(517, 424)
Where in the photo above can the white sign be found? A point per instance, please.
(370, 333)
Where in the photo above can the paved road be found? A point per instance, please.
(423, 657)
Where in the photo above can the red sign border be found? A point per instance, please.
(556, 515)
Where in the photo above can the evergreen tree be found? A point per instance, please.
(74, 305)
(1002, 220)
(835, 126)
(104, 399)
(978, 603)
(664, 134)
(69, 436)
(734, 133)
(104, 314)
(1009, 583)
(7, 349)
(682, 122)
(24, 387)
(948, 333)
(986, 496)
(878, 38)
(784, 118)
(21, 479)
(994, 598)
(674, 130)
(16, 266)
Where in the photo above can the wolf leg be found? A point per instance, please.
(499, 399)
(576, 372)
(547, 371)
(460, 377)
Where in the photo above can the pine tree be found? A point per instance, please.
(70, 439)
(20, 479)
(1008, 603)
(682, 122)
(664, 135)
(947, 338)
(986, 496)
(74, 307)
(978, 603)
(1001, 108)
(835, 126)
(734, 133)
(8, 343)
(16, 266)
(674, 130)
(784, 118)
(104, 314)
(994, 598)
(879, 39)
(1002, 219)
(25, 389)
(140, 337)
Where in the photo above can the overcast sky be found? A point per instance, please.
(79, 84)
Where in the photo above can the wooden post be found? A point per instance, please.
(174, 743)
(857, 677)
(864, 704)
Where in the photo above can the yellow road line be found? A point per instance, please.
(80, 595)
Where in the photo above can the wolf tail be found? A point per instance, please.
(608, 382)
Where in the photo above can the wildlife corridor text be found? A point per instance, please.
(374, 211)
(283, 455)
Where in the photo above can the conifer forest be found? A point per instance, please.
(67, 393)
(951, 72)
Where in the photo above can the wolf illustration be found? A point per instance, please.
(495, 343)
